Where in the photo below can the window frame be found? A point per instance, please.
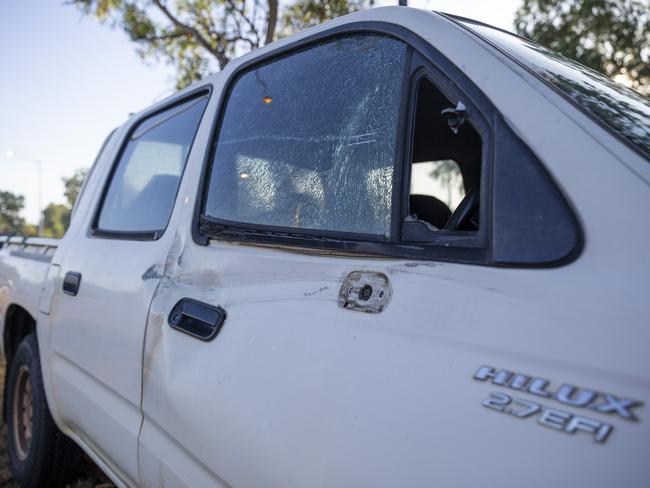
(91, 171)
(422, 69)
(460, 247)
(95, 230)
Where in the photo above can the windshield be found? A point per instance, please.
(623, 110)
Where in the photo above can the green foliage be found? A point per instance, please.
(56, 219)
(72, 186)
(11, 205)
(29, 230)
(610, 36)
(199, 36)
(308, 13)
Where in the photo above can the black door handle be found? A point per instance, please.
(71, 283)
(197, 319)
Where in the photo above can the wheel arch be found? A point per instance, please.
(19, 323)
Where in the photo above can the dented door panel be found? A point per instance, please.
(298, 391)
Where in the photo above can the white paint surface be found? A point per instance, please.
(296, 391)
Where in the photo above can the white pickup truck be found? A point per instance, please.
(399, 249)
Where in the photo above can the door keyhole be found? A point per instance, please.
(365, 291)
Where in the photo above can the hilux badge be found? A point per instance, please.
(567, 394)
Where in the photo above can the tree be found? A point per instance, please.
(56, 216)
(56, 219)
(308, 13)
(199, 36)
(11, 205)
(610, 36)
(448, 174)
(72, 186)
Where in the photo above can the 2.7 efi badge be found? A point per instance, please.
(561, 420)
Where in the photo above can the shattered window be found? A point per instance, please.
(308, 141)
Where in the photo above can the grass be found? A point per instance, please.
(90, 475)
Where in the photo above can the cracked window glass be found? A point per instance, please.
(308, 141)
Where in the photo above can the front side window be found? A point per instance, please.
(143, 188)
(308, 141)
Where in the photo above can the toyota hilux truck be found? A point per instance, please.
(402, 248)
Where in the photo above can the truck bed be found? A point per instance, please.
(39, 248)
(24, 263)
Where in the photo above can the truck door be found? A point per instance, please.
(343, 305)
(111, 266)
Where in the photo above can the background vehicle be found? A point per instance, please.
(263, 283)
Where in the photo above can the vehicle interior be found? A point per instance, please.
(445, 163)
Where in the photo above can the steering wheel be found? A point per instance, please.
(466, 215)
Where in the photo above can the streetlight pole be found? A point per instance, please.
(39, 165)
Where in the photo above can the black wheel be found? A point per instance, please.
(40, 454)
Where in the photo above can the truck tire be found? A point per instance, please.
(40, 454)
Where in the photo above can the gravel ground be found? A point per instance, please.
(91, 476)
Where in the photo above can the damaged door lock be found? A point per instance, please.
(365, 291)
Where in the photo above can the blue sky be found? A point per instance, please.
(67, 81)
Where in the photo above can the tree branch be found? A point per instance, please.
(165, 37)
(191, 31)
(272, 21)
(251, 23)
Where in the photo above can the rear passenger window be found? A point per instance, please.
(308, 141)
(143, 188)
